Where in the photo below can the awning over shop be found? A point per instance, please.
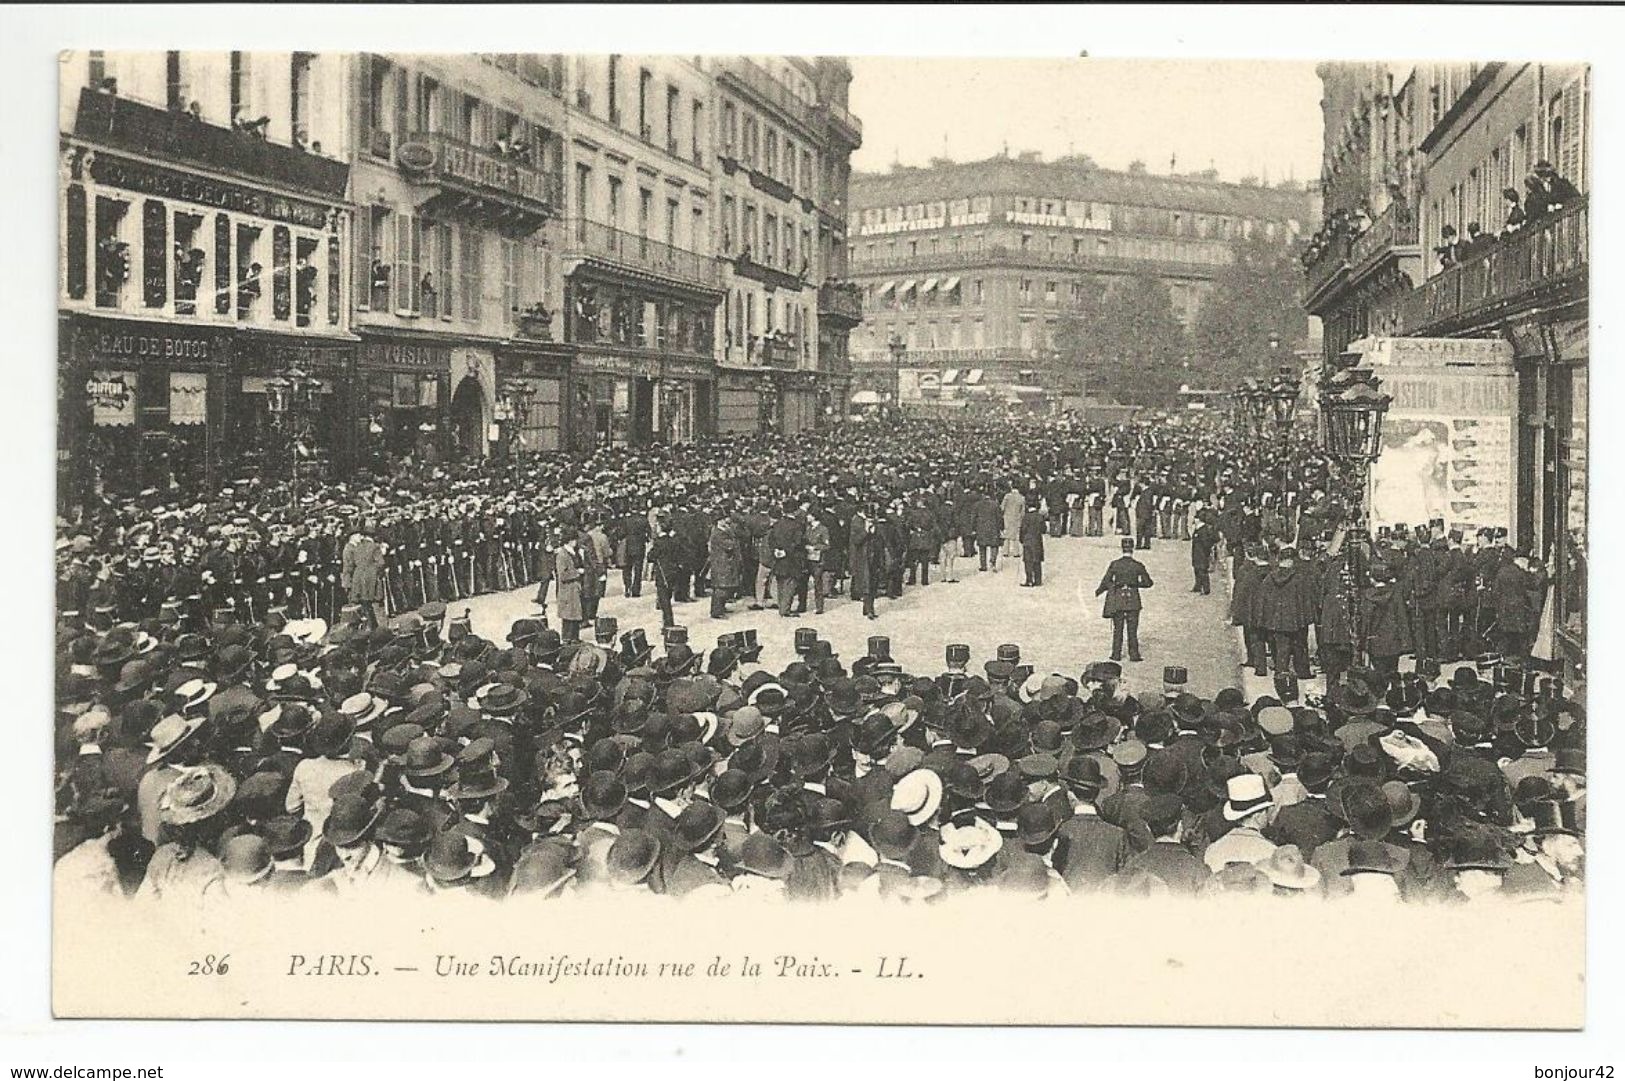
(950, 284)
(886, 288)
(1028, 391)
(974, 378)
(929, 286)
(865, 397)
(906, 288)
(950, 377)
(188, 398)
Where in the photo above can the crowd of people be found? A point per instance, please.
(273, 698)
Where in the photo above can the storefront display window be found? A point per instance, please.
(1572, 384)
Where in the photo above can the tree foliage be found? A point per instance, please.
(1127, 341)
(1256, 296)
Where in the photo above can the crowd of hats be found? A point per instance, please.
(300, 757)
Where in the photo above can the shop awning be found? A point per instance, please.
(930, 285)
(950, 284)
(974, 378)
(950, 377)
(906, 287)
(886, 288)
(865, 397)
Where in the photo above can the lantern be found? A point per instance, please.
(1283, 398)
(1354, 415)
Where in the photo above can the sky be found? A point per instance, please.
(1245, 118)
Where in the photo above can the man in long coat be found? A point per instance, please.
(786, 544)
(724, 550)
(570, 568)
(988, 531)
(1288, 596)
(362, 573)
(1032, 545)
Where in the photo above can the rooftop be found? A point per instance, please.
(1074, 178)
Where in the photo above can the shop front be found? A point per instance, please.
(684, 401)
(740, 397)
(402, 401)
(471, 421)
(617, 393)
(1567, 400)
(798, 402)
(532, 389)
(313, 424)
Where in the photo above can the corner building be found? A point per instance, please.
(973, 264)
(204, 242)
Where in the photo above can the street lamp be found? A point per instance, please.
(290, 397)
(897, 348)
(1352, 408)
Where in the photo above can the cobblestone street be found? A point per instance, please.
(1058, 626)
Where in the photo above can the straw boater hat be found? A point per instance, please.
(1245, 793)
(200, 793)
(169, 733)
(918, 795)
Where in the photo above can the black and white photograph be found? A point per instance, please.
(694, 535)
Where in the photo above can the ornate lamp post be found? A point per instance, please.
(898, 349)
(290, 398)
(1353, 406)
(1281, 396)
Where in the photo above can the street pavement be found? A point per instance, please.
(1058, 625)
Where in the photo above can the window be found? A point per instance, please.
(583, 200)
(250, 272)
(807, 173)
(306, 276)
(1026, 241)
(772, 164)
(747, 234)
(470, 265)
(727, 224)
(1051, 295)
(444, 283)
(671, 222)
(112, 252)
(696, 125)
(381, 100)
(281, 273)
(408, 265)
(78, 240)
(671, 119)
(1026, 290)
(696, 237)
(614, 90)
(806, 248)
(511, 278)
(154, 254)
(299, 98)
(222, 265)
(615, 202)
(97, 73)
(789, 245)
(175, 83)
(646, 200)
(241, 90)
(645, 82)
(976, 297)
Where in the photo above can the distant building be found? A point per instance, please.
(973, 265)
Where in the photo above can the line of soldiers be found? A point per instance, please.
(1438, 596)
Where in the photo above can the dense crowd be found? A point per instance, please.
(277, 699)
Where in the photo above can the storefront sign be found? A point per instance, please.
(204, 191)
(130, 344)
(112, 398)
(641, 367)
(1434, 352)
(279, 353)
(406, 354)
(677, 369)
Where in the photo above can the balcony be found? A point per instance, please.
(1394, 231)
(746, 266)
(1332, 260)
(841, 302)
(771, 185)
(605, 245)
(999, 255)
(963, 358)
(757, 82)
(181, 137)
(777, 352)
(1542, 263)
(513, 195)
(841, 118)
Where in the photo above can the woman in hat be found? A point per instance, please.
(184, 866)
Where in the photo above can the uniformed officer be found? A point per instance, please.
(1124, 578)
